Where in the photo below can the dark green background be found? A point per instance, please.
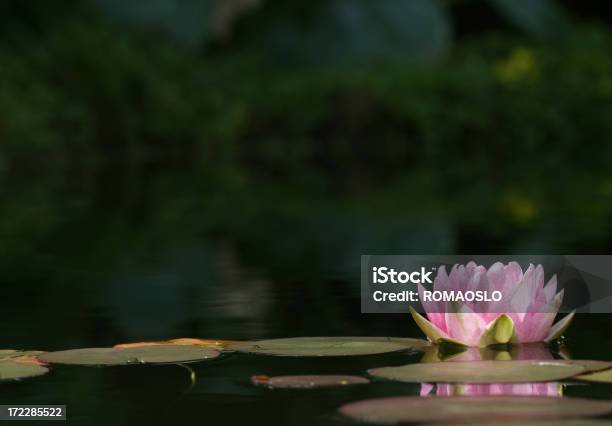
(172, 169)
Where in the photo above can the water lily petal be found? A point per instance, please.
(538, 276)
(441, 281)
(496, 276)
(524, 314)
(433, 333)
(500, 331)
(514, 274)
(535, 326)
(434, 310)
(550, 289)
(525, 293)
(559, 328)
(426, 389)
(464, 325)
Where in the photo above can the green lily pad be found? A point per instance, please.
(11, 370)
(604, 376)
(13, 353)
(307, 381)
(590, 365)
(481, 372)
(328, 346)
(142, 355)
(569, 422)
(459, 409)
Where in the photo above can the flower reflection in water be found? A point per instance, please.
(534, 351)
(506, 389)
(527, 352)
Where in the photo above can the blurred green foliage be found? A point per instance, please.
(504, 136)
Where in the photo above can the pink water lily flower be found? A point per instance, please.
(524, 314)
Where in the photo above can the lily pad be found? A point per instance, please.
(590, 365)
(328, 346)
(307, 381)
(206, 343)
(471, 409)
(481, 372)
(604, 376)
(140, 355)
(569, 422)
(12, 370)
(13, 353)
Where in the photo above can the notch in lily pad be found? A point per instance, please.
(169, 354)
(329, 346)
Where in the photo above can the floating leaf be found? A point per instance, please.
(569, 422)
(28, 359)
(328, 346)
(140, 355)
(598, 376)
(481, 372)
(13, 353)
(208, 343)
(590, 365)
(307, 381)
(21, 357)
(12, 370)
(459, 409)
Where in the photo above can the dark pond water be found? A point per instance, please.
(94, 261)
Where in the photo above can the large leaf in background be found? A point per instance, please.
(349, 31)
(537, 17)
(187, 20)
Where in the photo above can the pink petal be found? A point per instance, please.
(426, 389)
(496, 276)
(535, 327)
(441, 282)
(434, 310)
(550, 289)
(525, 293)
(465, 326)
